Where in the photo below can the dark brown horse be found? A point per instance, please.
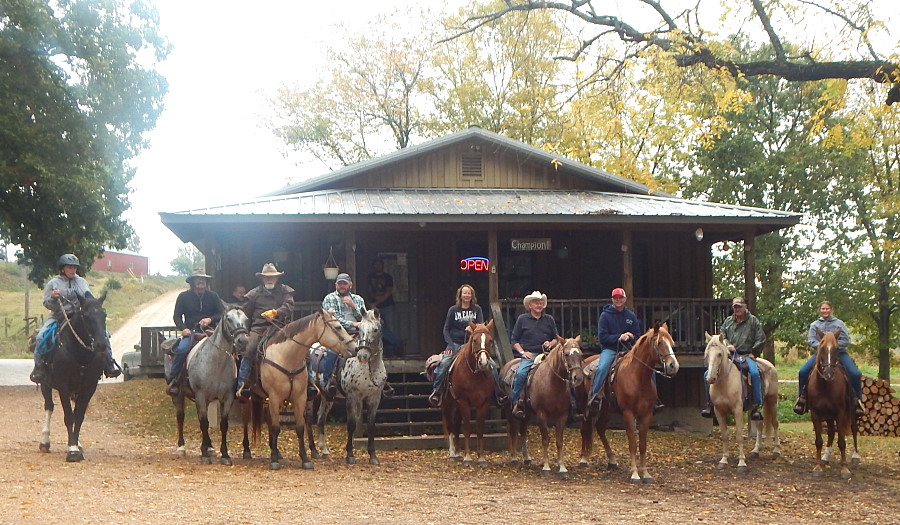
(549, 401)
(471, 387)
(635, 396)
(829, 401)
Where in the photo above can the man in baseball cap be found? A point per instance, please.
(618, 328)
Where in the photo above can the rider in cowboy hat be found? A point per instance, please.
(269, 303)
(533, 333)
(196, 310)
(61, 297)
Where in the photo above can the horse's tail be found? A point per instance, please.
(256, 418)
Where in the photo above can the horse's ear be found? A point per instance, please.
(819, 333)
(837, 333)
(103, 296)
(578, 339)
(722, 338)
(708, 337)
(490, 325)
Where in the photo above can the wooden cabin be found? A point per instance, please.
(476, 207)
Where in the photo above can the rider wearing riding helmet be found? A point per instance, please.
(62, 296)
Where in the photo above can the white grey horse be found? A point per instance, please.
(362, 380)
(212, 374)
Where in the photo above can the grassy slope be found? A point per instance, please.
(126, 296)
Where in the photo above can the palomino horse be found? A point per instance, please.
(362, 380)
(635, 396)
(549, 401)
(283, 373)
(75, 370)
(828, 397)
(212, 374)
(724, 377)
(471, 387)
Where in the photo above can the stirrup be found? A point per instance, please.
(518, 409)
(387, 390)
(755, 415)
(243, 392)
(112, 369)
(800, 405)
(859, 409)
(707, 412)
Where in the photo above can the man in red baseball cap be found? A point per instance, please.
(618, 328)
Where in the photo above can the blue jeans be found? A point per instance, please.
(179, 356)
(391, 341)
(326, 364)
(43, 348)
(441, 371)
(604, 363)
(521, 376)
(853, 373)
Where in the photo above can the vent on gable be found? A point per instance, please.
(471, 166)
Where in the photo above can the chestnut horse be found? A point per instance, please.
(549, 400)
(635, 396)
(829, 399)
(283, 375)
(471, 387)
(723, 374)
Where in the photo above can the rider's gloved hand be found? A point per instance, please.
(270, 314)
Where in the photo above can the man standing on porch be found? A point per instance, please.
(617, 328)
(533, 333)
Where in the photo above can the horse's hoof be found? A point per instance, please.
(225, 461)
(206, 460)
(514, 463)
(564, 476)
(753, 455)
(582, 463)
(308, 465)
(374, 461)
(612, 466)
(648, 480)
(846, 475)
(467, 463)
(776, 455)
(351, 461)
(180, 452)
(274, 465)
(855, 461)
(315, 455)
(527, 461)
(74, 456)
(545, 472)
(44, 447)
(635, 480)
(248, 455)
(743, 469)
(721, 466)
(817, 474)
(482, 463)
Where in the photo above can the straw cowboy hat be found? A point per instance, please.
(534, 295)
(269, 270)
(197, 273)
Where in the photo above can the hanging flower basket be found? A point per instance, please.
(330, 268)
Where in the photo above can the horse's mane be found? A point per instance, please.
(292, 329)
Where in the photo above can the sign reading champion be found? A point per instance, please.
(531, 245)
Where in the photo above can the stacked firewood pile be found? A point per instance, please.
(882, 409)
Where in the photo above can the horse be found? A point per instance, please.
(635, 395)
(283, 373)
(362, 380)
(724, 377)
(75, 370)
(829, 400)
(549, 401)
(471, 387)
(212, 375)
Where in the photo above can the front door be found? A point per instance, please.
(400, 266)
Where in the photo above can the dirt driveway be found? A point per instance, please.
(137, 479)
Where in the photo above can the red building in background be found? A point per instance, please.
(122, 262)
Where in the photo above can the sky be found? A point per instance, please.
(210, 145)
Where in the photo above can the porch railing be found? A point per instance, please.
(688, 318)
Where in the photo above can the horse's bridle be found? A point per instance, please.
(826, 370)
(68, 322)
(659, 356)
(482, 349)
(730, 360)
(568, 378)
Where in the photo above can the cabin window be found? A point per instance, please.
(471, 166)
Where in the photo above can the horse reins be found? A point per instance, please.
(568, 368)
(659, 357)
(69, 324)
(481, 349)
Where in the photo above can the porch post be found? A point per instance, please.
(503, 347)
(627, 272)
(350, 257)
(750, 271)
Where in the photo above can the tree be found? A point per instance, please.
(648, 24)
(77, 93)
(189, 259)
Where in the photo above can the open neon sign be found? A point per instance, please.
(475, 264)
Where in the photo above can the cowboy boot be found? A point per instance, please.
(754, 413)
(707, 411)
(800, 405)
(387, 390)
(658, 405)
(437, 395)
(111, 369)
(858, 408)
(518, 409)
(243, 392)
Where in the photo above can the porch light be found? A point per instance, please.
(330, 268)
(698, 234)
